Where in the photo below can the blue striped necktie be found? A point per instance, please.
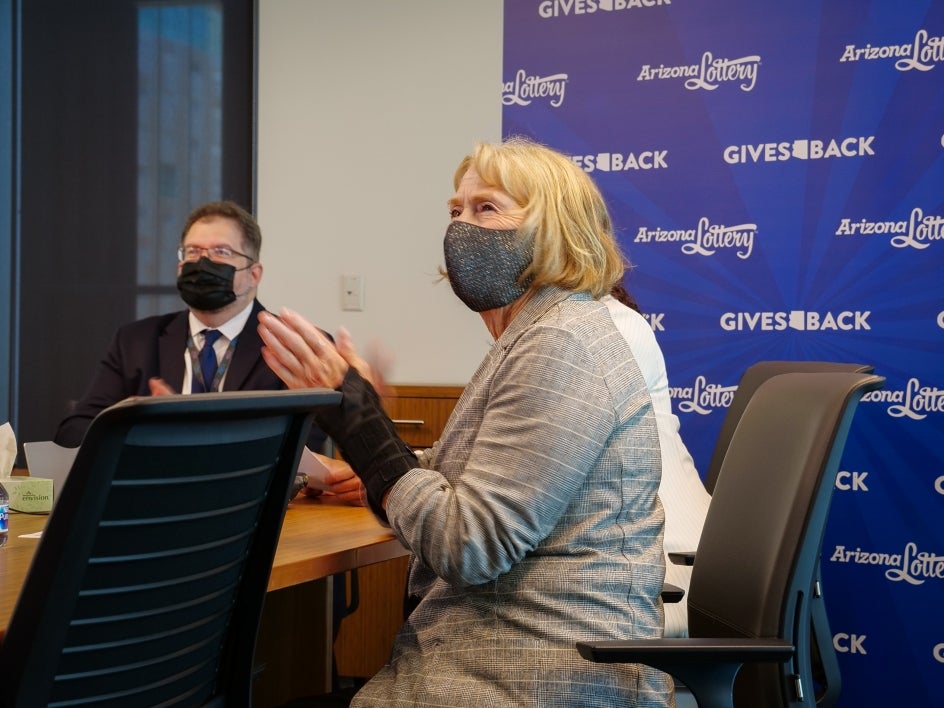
(207, 357)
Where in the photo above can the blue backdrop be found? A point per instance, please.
(776, 174)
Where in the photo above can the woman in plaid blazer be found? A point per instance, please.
(534, 521)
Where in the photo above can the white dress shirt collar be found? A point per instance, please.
(230, 329)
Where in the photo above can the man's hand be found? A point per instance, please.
(326, 475)
(159, 387)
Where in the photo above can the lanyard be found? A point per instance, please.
(197, 373)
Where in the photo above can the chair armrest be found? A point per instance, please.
(672, 593)
(706, 666)
(688, 650)
(682, 557)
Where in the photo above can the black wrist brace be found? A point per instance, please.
(368, 439)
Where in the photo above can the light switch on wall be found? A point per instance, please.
(352, 292)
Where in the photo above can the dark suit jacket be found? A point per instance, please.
(155, 346)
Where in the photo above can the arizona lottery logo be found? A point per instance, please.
(709, 73)
(705, 239)
(525, 88)
(915, 401)
(922, 53)
(702, 397)
(918, 231)
(912, 565)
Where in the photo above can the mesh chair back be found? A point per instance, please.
(759, 550)
(148, 584)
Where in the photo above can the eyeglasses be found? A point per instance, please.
(214, 253)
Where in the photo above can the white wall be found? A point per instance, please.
(365, 109)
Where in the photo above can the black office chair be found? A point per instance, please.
(751, 595)
(148, 584)
(828, 678)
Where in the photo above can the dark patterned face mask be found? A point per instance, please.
(484, 265)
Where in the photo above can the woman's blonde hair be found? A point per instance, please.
(564, 214)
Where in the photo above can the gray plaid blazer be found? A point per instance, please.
(534, 522)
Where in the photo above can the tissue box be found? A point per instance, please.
(29, 494)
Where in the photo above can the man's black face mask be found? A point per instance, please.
(206, 285)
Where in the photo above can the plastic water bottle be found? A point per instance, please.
(4, 514)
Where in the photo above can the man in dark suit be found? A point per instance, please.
(218, 274)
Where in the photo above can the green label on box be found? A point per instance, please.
(32, 495)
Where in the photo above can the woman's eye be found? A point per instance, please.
(486, 206)
(454, 212)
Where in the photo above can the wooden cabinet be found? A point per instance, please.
(293, 647)
(420, 412)
(366, 636)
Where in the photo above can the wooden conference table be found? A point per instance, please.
(319, 539)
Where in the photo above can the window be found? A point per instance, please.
(131, 114)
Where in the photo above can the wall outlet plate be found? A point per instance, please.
(352, 292)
